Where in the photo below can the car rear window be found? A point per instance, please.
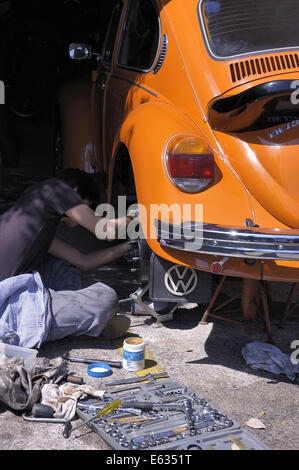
(241, 27)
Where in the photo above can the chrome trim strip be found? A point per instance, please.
(230, 241)
(131, 82)
(162, 54)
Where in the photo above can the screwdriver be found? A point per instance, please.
(106, 410)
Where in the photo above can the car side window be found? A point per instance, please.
(141, 34)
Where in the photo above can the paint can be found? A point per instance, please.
(133, 354)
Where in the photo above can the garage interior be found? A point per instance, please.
(35, 63)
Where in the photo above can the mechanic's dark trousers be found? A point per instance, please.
(76, 310)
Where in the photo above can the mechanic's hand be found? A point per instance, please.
(69, 222)
(133, 214)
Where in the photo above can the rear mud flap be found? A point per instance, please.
(175, 283)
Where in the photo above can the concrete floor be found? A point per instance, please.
(207, 358)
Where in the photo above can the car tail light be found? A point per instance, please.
(190, 163)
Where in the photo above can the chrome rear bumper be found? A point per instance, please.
(237, 242)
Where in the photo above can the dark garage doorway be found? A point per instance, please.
(34, 64)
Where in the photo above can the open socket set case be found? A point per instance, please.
(165, 415)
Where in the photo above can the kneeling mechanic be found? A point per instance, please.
(42, 297)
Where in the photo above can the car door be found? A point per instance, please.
(134, 57)
(99, 81)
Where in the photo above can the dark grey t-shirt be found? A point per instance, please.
(28, 228)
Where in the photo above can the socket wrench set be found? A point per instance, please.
(164, 415)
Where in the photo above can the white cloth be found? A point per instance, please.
(63, 399)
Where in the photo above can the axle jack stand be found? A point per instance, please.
(137, 297)
(254, 292)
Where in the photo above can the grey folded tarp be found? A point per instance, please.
(268, 357)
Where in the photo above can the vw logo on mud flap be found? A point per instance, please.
(180, 280)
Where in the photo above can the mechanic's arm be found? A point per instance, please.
(86, 217)
(86, 262)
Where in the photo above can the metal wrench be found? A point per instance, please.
(142, 378)
(84, 360)
(95, 408)
(170, 433)
(43, 420)
(67, 423)
(9, 335)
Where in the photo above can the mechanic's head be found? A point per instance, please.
(83, 183)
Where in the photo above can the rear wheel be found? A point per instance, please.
(139, 257)
(124, 185)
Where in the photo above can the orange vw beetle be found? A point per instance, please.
(195, 104)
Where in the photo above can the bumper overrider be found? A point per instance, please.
(238, 242)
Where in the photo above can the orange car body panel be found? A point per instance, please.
(257, 174)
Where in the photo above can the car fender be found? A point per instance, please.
(146, 132)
